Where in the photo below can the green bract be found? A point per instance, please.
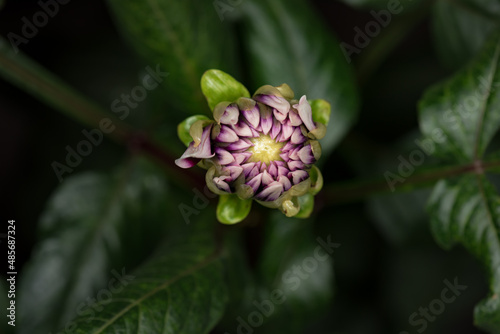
(261, 148)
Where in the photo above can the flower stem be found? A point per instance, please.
(358, 190)
(48, 88)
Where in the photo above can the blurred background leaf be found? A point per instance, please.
(286, 42)
(407, 5)
(461, 27)
(183, 38)
(303, 272)
(93, 223)
(181, 289)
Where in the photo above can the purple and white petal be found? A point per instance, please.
(273, 169)
(305, 113)
(297, 137)
(285, 156)
(230, 115)
(242, 157)
(294, 118)
(294, 154)
(234, 171)
(275, 130)
(194, 154)
(279, 116)
(271, 192)
(306, 155)
(288, 146)
(263, 167)
(242, 129)
(266, 120)
(255, 133)
(266, 178)
(287, 131)
(295, 165)
(283, 170)
(241, 144)
(254, 172)
(252, 116)
(255, 182)
(298, 176)
(223, 156)
(227, 135)
(280, 104)
(221, 182)
(247, 168)
(285, 181)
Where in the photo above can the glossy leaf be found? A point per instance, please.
(183, 38)
(92, 225)
(405, 5)
(303, 272)
(461, 27)
(465, 211)
(180, 290)
(218, 86)
(462, 115)
(288, 43)
(231, 209)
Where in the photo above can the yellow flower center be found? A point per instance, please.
(265, 149)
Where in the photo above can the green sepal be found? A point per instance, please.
(184, 127)
(316, 180)
(232, 210)
(218, 86)
(306, 203)
(321, 111)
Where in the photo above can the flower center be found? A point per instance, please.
(265, 149)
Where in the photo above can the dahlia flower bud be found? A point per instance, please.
(261, 148)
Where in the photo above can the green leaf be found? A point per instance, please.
(183, 38)
(184, 127)
(218, 86)
(461, 27)
(288, 43)
(231, 209)
(303, 272)
(180, 290)
(465, 211)
(461, 116)
(94, 223)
